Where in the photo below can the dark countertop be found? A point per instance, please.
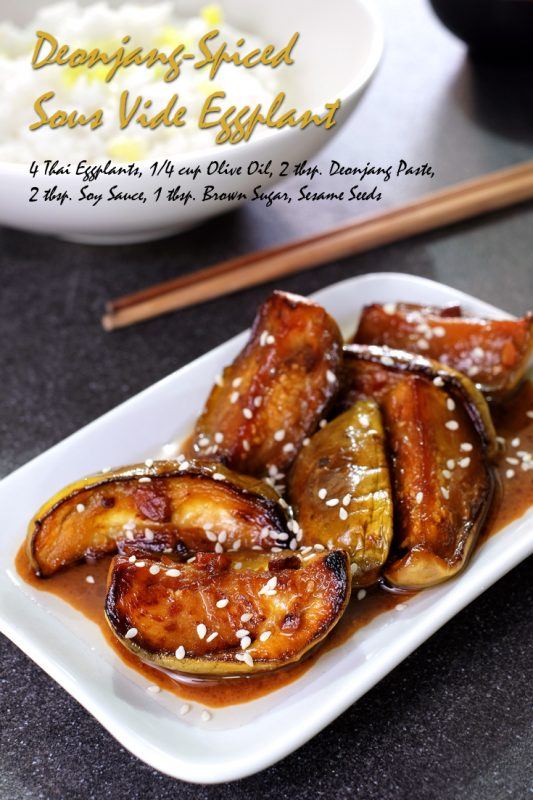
(453, 720)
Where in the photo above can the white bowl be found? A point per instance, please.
(339, 49)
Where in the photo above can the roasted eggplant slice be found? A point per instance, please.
(226, 614)
(340, 490)
(167, 506)
(443, 485)
(370, 371)
(493, 353)
(275, 392)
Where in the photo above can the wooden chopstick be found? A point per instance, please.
(463, 201)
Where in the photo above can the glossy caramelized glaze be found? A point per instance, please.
(516, 496)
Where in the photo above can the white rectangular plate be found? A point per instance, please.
(246, 738)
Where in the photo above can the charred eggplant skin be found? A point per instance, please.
(340, 490)
(167, 614)
(276, 391)
(443, 484)
(168, 505)
(392, 363)
(493, 353)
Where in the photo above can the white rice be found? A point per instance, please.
(84, 89)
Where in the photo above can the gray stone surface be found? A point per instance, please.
(453, 721)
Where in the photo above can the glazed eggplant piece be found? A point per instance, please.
(167, 506)
(340, 490)
(493, 353)
(276, 391)
(226, 614)
(439, 434)
(370, 371)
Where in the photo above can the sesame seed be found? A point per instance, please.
(245, 642)
(246, 617)
(515, 442)
(452, 425)
(322, 423)
(242, 633)
(206, 715)
(265, 635)
(222, 603)
(234, 396)
(347, 499)
(361, 594)
(154, 569)
(203, 441)
(288, 448)
(445, 493)
(222, 536)
(236, 382)
(236, 544)
(331, 376)
(419, 497)
(322, 493)
(478, 353)
(180, 652)
(219, 437)
(212, 636)
(423, 344)
(389, 308)
(353, 569)
(464, 462)
(184, 465)
(140, 564)
(450, 404)
(334, 501)
(466, 447)
(247, 413)
(510, 473)
(211, 536)
(89, 579)
(130, 633)
(279, 435)
(245, 445)
(201, 630)
(438, 381)
(153, 689)
(132, 559)
(185, 708)
(218, 476)
(170, 449)
(343, 514)
(447, 474)
(145, 479)
(149, 462)
(269, 586)
(218, 548)
(173, 573)
(529, 414)
(148, 535)
(439, 332)
(450, 463)
(306, 441)
(80, 508)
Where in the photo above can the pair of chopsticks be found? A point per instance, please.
(492, 192)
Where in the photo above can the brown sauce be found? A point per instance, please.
(514, 498)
